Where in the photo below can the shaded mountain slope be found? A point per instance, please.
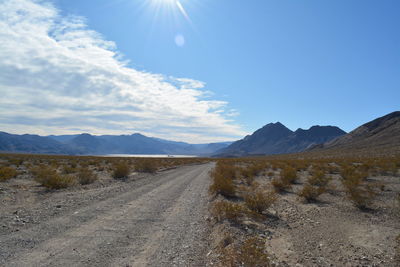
(381, 134)
(86, 144)
(275, 138)
(263, 141)
(32, 144)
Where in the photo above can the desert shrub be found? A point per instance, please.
(359, 191)
(387, 166)
(315, 186)
(280, 185)
(16, 161)
(100, 168)
(259, 201)
(311, 192)
(86, 176)
(68, 169)
(120, 170)
(225, 210)
(247, 175)
(83, 163)
(54, 163)
(49, 178)
(318, 178)
(7, 173)
(289, 174)
(251, 253)
(300, 165)
(146, 165)
(333, 169)
(73, 164)
(223, 175)
(93, 162)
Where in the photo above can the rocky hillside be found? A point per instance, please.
(380, 135)
(275, 138)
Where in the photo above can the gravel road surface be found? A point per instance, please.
(158, 220)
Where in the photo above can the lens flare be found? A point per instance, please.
(179, 40)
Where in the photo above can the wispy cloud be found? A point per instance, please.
(58, 76)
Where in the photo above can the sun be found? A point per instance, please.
(164, 2)
(170, 5)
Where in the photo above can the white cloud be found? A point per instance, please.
(58, 76)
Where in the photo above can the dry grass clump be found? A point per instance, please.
(251, 171)
(289, 174)
(223, 176)
(7, 173)
(146, 165)
(260, 200)
(280, 184)
(310, 192)
(120, 170)
(68, 169)
(50, 179)
(86, 176)
(359, 190)
(251, 253)
(247, 175)
(315, 186)
(226, 210)
(318, 178)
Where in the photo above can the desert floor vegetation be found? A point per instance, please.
(121, 170)
(251, 252)
(60, 172)
(147, 165)
(51, 179)
(86, 176)
(7, 173)
(223, 177)
(306, 210)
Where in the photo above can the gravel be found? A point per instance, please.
(157, 220)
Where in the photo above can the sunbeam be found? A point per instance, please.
(183, 11)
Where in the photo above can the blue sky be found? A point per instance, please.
(298, 62)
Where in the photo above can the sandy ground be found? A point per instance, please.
(329, 232)
(148, 220)
(332, 232)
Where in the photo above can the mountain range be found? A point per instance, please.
(381, 134)
(275, 138)
(86, 144)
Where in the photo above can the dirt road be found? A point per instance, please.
(155, 221)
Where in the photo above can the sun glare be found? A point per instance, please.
(172, 11)
(172, 5)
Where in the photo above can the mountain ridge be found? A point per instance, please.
(276, 138)
(87, 144)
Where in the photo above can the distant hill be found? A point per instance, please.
(275, 138)
(380, 135)
(86, 144)
(32, 144)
